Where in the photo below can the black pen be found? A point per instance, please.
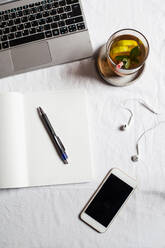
(55, 139)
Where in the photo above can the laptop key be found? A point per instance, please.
(31, 5)
(34, 10)
(72, 28)
(4, 38)
(60, 10)
(32, 30)
(25, 32)
(6, 17)
(37, 4)
(13, 10)
(3, 24)
(55, 32)
(54, 25)
(76, 11)
(55, 5)
(41, 21)
(6, 31)
(62, 3)
(74, 20)
(46, 14)
(11, 36)
(49, 19)
(5, 44)
(19, 14)
(70, 21)
(34, 23)
(47, 27)
(17, 21)
(25, 7)
(63, 16)
(27, 25)
(80, 26)
(48, 6)
(61, 23)
(38, 16)
(71, 1)
(31, 17)
(67, 8)
(26, 11)
(56, 18)
(40, 8)
(13, 29)
(27, 39)
(76, 8)
(53, 12)
(18, 34)
(63, 30)
(12, 15)
(43, 2)
(20, 27)
(40, 29)
(24, 19)
(19, 8)
(79, 19)
(48, 34)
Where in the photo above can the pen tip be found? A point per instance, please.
(65, 162)
(40, 111)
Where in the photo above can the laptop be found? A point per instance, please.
(36, 34)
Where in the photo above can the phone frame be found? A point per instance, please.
(92, 222)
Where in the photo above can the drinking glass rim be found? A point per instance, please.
(127, 29)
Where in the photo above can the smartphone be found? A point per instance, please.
(108, 199)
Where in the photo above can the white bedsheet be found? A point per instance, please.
(47, 217)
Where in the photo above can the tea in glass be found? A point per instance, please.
(126, 51)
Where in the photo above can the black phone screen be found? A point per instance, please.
(108, 200)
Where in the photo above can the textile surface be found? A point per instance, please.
(48, 217)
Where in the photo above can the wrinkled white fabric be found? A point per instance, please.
(47, 217)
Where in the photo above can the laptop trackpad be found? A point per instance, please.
(31, 55)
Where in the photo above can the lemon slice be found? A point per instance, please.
(131, 43)
(122, 47)
(120, 50)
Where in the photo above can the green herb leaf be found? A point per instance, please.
(127, 62)
(125, 59)
(120, 58)
(135, 52)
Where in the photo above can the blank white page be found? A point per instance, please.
(13, 168)
(67, 113)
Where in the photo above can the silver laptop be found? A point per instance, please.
(36, 34)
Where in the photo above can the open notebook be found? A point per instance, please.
(27, 155)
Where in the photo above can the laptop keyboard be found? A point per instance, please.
(39, 20)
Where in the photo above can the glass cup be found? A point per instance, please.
(127, 34)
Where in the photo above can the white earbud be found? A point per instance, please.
(125, 126)
(135, 158)
(144, 104)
